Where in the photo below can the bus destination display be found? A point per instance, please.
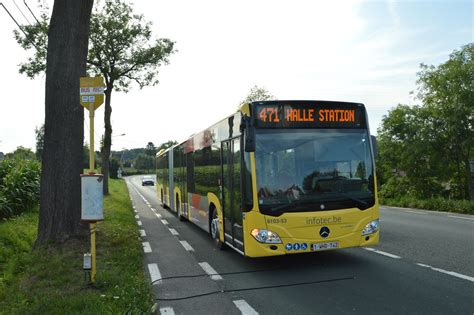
(308, 116)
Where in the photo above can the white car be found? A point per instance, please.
(148, 180)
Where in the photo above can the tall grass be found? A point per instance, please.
(19, 186)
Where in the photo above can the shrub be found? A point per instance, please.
(19, 186)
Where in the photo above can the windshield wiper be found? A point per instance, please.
(360, 202)
(296, 203)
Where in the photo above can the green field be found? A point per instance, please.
(50, 280)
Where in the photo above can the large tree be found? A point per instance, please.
(124, 56)
(121, 49)
(425, 150)
(60, 201)
(448, 92)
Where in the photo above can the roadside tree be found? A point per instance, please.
(121, 49)
(60, 185)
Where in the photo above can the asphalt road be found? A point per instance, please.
(424, 265)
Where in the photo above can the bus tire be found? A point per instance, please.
(214, 228)
(178, 209)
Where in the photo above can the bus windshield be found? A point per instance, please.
(313, 170)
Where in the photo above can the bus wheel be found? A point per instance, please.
(178, 207)
(215, 230)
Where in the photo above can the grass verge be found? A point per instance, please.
(50, 280)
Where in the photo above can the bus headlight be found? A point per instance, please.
(266, 236)
(371, 227)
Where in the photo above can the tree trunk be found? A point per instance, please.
(107, 138)
(60, 201)
(470, 189)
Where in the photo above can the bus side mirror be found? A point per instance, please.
(374, 145)
(249, 131)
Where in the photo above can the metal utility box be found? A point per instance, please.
(92, 197)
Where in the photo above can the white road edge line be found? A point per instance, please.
(173, 231)
(137, 216)
(142, 233)
(164, 222)
(210, 271)
(417, 212)
(458, 217)
(154, 273)
(166, 311)
(451, 273)
(146, 247)
(245, 308)
(187, 246)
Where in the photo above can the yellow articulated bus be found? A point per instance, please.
(278, 177)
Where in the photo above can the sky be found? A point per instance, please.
(357, 51)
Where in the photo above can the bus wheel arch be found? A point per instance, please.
(214, 226)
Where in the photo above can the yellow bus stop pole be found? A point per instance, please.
(91, 170)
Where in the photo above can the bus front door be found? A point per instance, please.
(231, 195)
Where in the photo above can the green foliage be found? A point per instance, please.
(21, 153)
(166, 145)
(424, 150)
(37, 39)
(114, 166)
(19, 186)
(127, 54)
(150, 149)
(49, 280)
(39, 132)
(258, 94)
(144, 162)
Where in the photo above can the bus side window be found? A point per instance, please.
(190, 172)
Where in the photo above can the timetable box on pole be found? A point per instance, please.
(92, 197)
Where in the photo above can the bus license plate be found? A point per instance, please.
(323, 246)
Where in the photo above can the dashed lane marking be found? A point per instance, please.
(245, 308)
(210, 271)
(146, 247)
(173, 231)
(382, 253)
(137, 217)
(164, 222)
(158, 215)
(142, 233)
(451, 273)
(166, 311)
(187, 246)
(154, 273)
(139, 223)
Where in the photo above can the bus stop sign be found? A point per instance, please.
(91, 91)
